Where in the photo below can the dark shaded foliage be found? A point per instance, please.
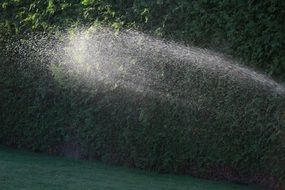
(250, 30)
(243, 142)
(233, 132)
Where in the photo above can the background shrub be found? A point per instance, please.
(195, 119)
(233, 131)
(249, 30)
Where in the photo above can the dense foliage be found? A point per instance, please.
(235, 131)
(250, 30)
(213, 126)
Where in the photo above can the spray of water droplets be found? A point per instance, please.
(137, 62)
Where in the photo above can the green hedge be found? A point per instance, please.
(236, 131)
(249, 30)
(211, 125)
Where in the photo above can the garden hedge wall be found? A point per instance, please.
(234, 131)
(212, 125)
(249, 30)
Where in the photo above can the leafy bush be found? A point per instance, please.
(232, 131)
(252, 31)
(193, 120)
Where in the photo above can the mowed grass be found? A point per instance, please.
(25, 170)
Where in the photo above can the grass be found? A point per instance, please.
(25, 170)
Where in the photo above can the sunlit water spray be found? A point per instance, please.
(95, 78)
(140, 63)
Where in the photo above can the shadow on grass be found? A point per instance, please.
(25, 170)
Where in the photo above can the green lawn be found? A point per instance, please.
(25, 170)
